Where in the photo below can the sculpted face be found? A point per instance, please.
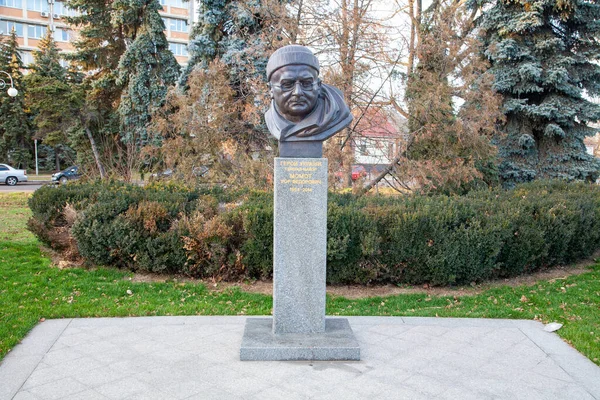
(295, 90)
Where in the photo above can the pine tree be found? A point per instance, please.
(146, 69)
(47, 59)
(16, 142)
(50, 98)
(123, 46)
(543, 56)
(99, 47)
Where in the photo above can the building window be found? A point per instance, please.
(362, 147)
(62, 10)
(6, 28)
(27, 57)
(59, 8)
(179, 25)
(62, 35)
(36, 31)
(37, 5)
(178, 49)
(12, 3)
(173, 3)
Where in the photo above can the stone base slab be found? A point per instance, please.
(337, 343)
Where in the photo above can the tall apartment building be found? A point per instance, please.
(32, 18)
(178, 17)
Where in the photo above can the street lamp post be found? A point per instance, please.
(36, 159)
(12, 92)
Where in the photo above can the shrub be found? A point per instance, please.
(135, 227)
(206, 244)
(257, 243)
(54, 212)
(352, 244)
(421, 239)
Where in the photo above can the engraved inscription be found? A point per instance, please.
(299, 175)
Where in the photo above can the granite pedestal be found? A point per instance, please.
(336, 343)
(299, 329)
(299, 245)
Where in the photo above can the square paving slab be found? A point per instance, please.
(199, 358)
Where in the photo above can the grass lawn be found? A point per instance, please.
(32, 290)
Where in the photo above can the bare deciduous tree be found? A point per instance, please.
(451, 107)
(195, 133)
(355, 43)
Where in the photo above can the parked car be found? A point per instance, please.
(12, 176)
(358, 171)
(69, 174)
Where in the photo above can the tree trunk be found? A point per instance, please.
(402, 150)
(348, 157)
(57, 159)
(381, 175)
(294, 35)
(415, 11)
(96, 154)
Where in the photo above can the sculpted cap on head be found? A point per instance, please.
(289, 55)
(304, 111)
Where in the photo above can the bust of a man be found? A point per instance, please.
(304, 111)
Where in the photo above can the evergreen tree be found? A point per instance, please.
(543, 55)
(50, 99)
(230, 30)
(57, 97)
(146, 69)
(47, 59)
(241, 35)
(99, 47)
(101, 44)
(16, 142)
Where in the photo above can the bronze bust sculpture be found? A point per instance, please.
(304, 111)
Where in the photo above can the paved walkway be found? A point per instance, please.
(198, 358)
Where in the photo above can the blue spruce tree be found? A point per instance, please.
(146, 69)
(240, 35)
(542, 54)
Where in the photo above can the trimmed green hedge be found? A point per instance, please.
(438, 240)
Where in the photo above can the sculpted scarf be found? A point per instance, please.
(329, 116)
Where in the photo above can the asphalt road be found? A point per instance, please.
(30, 186)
